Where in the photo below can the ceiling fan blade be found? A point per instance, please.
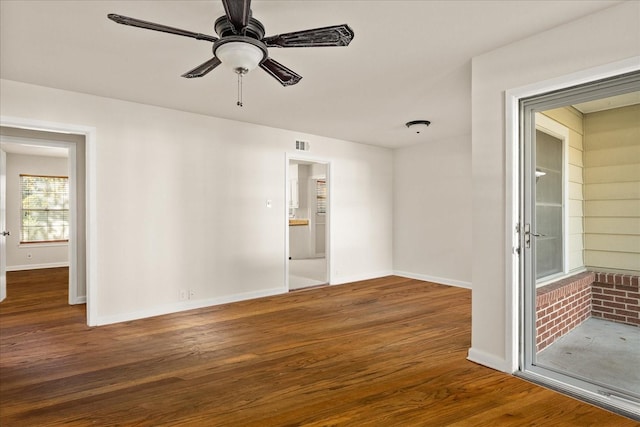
(238, 12)
(281, 73)
(125, 20)
(203, 68)
(336, 35)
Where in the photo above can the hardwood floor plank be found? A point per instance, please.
(389, 351)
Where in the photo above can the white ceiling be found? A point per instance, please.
(617, 101)
(409, 59)
(33, 150)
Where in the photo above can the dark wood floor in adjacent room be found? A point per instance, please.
(384, 352)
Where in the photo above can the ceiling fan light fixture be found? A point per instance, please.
(240, 56)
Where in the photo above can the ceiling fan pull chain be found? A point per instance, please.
(239, 103)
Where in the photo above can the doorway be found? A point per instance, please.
(79, 142)
(578, 240)
(41, 155)
(307, 201)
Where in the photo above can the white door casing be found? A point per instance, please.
(89, 252)
(3, 221)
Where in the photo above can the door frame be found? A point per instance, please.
(328, 251)
(3, 219)
(90, 255)
(512, 184)
(516, 328)
(72, 172)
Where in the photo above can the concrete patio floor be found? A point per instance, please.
(598, 350)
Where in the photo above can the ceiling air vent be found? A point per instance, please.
(302, 145)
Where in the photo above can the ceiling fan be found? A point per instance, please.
(242, 46)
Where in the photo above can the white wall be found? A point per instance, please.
(432, 211)
(42, 255)
(181, 202)
(595, 40)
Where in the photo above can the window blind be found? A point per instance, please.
(45, 208)
(321, 196)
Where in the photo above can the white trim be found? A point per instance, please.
(486, 359)
(186, 305)
(512, 196)
(3, 211)
(72, 166)
(559, 131)
(512, 235)
(434, 279)
(90, 196)
(38, 266)
(41, 245)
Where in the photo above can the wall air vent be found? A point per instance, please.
(302, 145)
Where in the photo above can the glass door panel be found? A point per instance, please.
(549, 205)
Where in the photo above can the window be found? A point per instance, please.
(321, 196)
(45, 209)
(549, 209)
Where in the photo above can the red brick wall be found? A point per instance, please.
(616, 297)
(561, 306)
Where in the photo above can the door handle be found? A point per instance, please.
(528, 233)
(6, 233)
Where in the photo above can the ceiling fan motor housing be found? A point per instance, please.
(224, 28)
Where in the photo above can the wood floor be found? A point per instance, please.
(384, 352)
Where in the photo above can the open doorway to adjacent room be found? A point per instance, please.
(307, 192)
(44, 205)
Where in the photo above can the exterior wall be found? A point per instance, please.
(612, 189)
(572, 119)
(41, 255)
(565, 304)
(545, 57)
(562, 306)
(616, 297)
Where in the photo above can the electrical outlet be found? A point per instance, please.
(192, 293)
(182, 294)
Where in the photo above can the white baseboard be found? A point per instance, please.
(489, 360)
(185, 305)
(37, 266)
(440, 280)
(193, 304)
(360, 277)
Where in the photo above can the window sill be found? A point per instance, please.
(42, 244)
